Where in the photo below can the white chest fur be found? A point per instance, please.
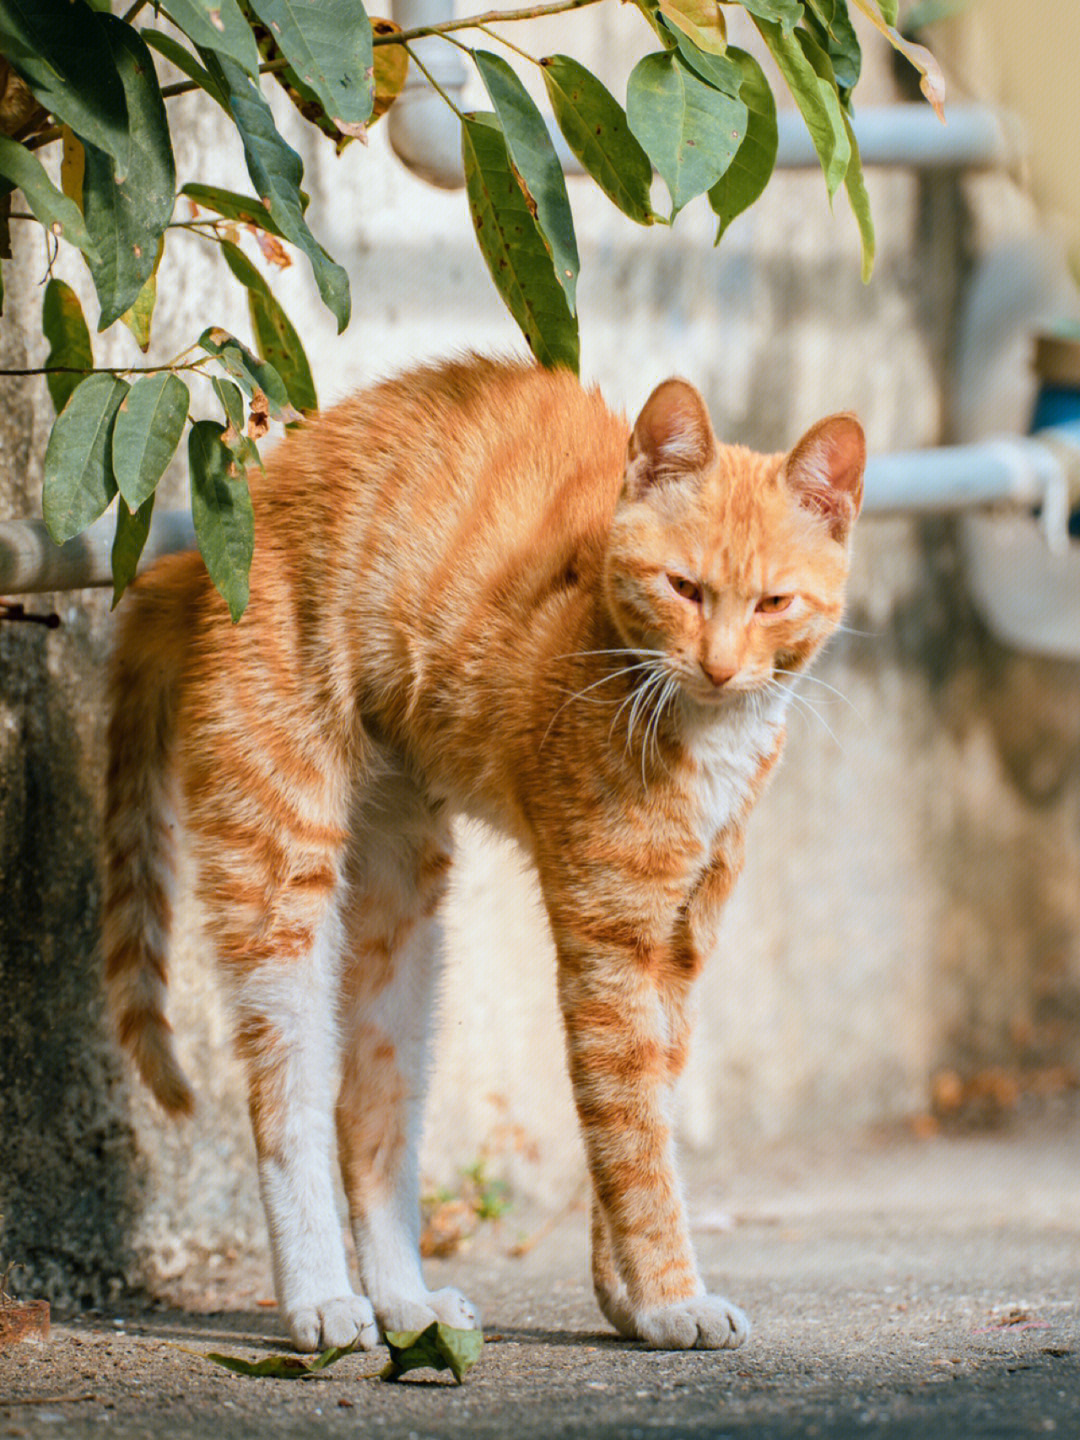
(729, 748)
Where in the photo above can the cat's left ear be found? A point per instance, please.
(825, 470)
(672, 438)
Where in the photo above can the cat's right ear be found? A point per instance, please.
(672, 437)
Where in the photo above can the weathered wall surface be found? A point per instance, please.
(910, 899)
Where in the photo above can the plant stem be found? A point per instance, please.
(473, 22)
(432, 81)
(105, 369)
(501, 40)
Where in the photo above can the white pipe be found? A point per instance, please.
(1021, 472)
(30, 561)
(426, 136)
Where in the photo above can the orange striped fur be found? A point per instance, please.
(475, 591)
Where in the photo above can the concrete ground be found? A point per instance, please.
(901, 1287)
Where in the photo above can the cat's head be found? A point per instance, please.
(730, 564)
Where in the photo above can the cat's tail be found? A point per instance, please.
(144, 684)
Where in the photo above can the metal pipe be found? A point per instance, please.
(1020, 472)
(30, 561)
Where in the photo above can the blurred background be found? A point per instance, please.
(903, 951)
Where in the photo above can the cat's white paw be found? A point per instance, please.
(706, 1322)
(417, 1312)
(336, 1322)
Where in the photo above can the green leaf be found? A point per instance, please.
(278, 342)
(276, 171)
(818, 101)
(783, 12)
(439, 1347)
(218, 25)
(182, 58)
(513, 247)
(221, 510)
(250, 373)
(61, 49)
(128, 543)
(855, 185)
(149, 424)
(232, 402)
(244, 209)
(748, 174)
(690, 131)
(328, 46)
(127, 219)
(69, 341)
(700, 21)
(716, 70)
(61, 216)
(79, 480)
(834, 107)
(539, 171)
(278, 1367)
(139, 317)
(890, 10)
(830, 25)
(595, 127)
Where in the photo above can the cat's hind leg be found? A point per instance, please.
(397, 875)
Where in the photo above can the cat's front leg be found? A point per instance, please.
(619, 1035)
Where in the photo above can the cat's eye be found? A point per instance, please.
(773, 604)
(686, 588)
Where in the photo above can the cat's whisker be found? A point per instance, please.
(579, 694)
(809, 709)
(645, 693)
(816, 680)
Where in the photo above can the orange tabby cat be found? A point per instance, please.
(475, 591)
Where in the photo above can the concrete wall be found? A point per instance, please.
(909, 902)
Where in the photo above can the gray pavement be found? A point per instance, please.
(925, 1289)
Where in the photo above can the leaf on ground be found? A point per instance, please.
(280, 1367)
(439, 1347)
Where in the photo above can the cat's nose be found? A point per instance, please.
(717, 673)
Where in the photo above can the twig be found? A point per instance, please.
(431, 80)
(487, 17)
(104, 369)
